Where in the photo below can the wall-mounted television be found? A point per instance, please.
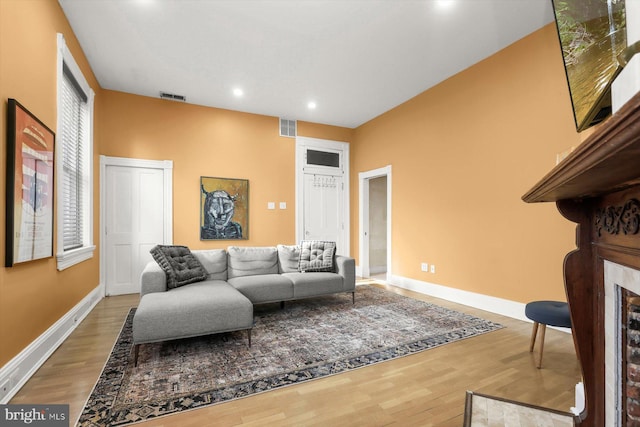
(592, 34)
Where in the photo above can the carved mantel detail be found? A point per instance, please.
(622, 218)
(597, 187)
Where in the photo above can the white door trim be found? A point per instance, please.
(167, 167)
(363, 219)
(322, 144)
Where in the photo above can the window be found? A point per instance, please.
(74, 152)
(323, 158)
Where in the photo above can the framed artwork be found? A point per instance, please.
(30, 173)
(592, 35)
(224, 208)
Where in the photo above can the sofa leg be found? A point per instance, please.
(353, 297)
(249, 336)
(136, 351)
(281, 305)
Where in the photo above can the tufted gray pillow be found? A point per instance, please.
(179, 264)
(316, 255)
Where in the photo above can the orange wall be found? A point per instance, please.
(320, 131)
(34, 295)
(204, 141)
(462, 155)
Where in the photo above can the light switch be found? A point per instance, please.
(271, 205)
(283, 205)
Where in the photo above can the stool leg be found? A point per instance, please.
(533, 336)
(544, 328)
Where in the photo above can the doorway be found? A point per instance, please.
(375, 223)
(322, 192)
(136, 215)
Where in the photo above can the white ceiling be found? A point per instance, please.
(355, 59)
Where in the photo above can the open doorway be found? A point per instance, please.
(375, 223)
(378, 227)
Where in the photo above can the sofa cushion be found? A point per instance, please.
(264, 287)
(196, 309)
(214, 261)
(315, 283)
(179, 264)
(316, 255)
(288, 258)
(248, 261)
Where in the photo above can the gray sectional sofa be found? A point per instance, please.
(185, 300)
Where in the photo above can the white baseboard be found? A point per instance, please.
(484, 302)
(17, 372)
(496, 305)
(379, 269)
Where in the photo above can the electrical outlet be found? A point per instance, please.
(5, 386)
(433, 268)
(8, 384)
(424, 267)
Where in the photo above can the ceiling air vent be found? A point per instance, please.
(288, 128)
(173, 97)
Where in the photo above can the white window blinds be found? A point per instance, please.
(74, 157)
(72, 136)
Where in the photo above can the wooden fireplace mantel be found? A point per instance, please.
(598, 187)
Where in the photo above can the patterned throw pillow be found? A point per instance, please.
(179, 264)
(316, 255)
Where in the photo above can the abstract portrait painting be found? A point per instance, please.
(224, 208)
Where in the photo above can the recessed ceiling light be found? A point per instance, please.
(238, 92)
(311, 105)
(445, 4)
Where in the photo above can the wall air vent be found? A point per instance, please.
(173, 97)
(287, 128)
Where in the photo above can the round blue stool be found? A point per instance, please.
(552, 313)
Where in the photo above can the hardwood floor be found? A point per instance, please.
(424, 389)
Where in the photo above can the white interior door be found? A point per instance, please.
(322, 192)
(135, 217)
(322, 208)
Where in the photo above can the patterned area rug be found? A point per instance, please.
(308, 339)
